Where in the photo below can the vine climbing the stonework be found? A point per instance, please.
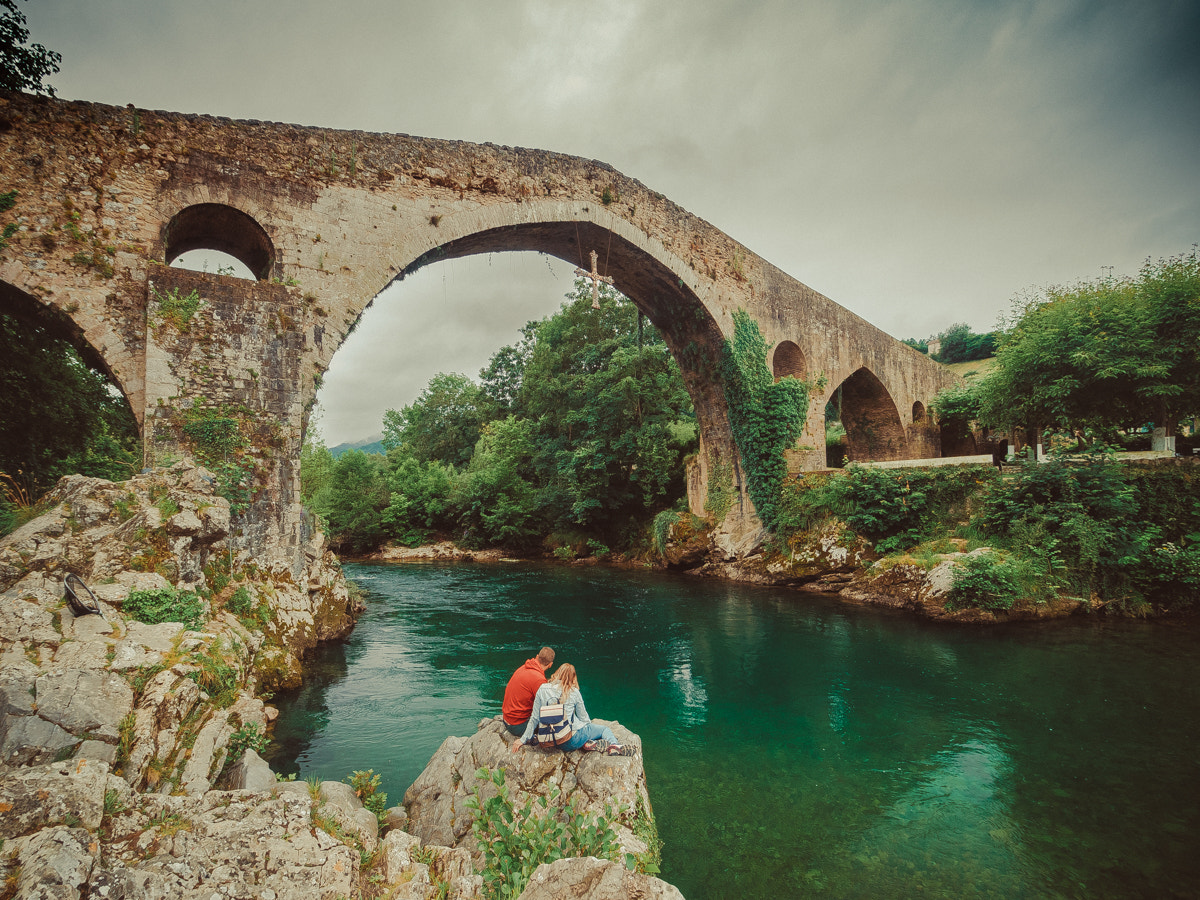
(766, 416)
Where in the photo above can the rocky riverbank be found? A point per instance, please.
(127, 760)
(830, 560)
(833, 560)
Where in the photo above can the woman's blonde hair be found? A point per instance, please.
(564, 676)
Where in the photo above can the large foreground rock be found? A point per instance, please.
(436, 801)
(102, 717)
(589, 878)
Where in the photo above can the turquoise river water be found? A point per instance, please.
(794, 746)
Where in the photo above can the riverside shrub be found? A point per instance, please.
(987, 580)
(165, 605)
(895, 508)
(1080, 515)
(514, 842)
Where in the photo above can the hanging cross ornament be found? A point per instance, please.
(596, 279)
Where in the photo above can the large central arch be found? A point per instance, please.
(688, 328)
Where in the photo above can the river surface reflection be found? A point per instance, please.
(796, 747)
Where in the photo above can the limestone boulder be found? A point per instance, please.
(339, 801)
(436, 802)
(168, 698)
(56, 863)
(143, 645)
(251, 773)
(226, 844)
(829, 548)
(17, 688)
(37, 797)
(85, 700)
(588, 878)
(32, 741)
(418, 871)
(23, 618)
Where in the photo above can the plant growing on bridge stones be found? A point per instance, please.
(766, 416)
(7, 200)
(176, 307)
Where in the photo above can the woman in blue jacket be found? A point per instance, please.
(563, 687)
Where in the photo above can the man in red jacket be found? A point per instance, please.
(518, 696)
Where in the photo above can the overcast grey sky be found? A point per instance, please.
(919, 162)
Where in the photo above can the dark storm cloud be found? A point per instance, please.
(918, 162)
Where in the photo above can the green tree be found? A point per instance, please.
(358, 495)
(1170, 291)
(57, 415)
(612, 417)
(500, 381)
(1108, 353)
(23, 66)
(495, 501)
(420, 495)
(441, 425)
(961, 344)
(957, 407)
(316, 473)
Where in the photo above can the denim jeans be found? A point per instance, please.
(589, 732)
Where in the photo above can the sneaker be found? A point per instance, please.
(600, 745)
(619, 750)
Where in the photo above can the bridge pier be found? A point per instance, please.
(224, 385)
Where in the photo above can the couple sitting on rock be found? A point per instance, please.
(529, 708)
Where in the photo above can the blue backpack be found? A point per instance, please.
(553, 729)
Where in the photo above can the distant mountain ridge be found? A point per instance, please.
(373, 444)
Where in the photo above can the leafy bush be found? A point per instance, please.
(514, 842)
(1079, 514)
(240, 603)
(255, 616)
(215, 675)
(1158, 493)
(366, 786)
(988, 580)
(247, 737)
(166, 605)
(1172, 572)
(895, 507)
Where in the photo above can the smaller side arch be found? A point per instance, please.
(216, 226)
(872, 422)
(919, 415)
(788, 359)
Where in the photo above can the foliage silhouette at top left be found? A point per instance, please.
(23, 66)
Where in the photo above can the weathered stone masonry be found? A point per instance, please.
(107, 196)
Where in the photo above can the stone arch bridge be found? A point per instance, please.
(107, 197)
